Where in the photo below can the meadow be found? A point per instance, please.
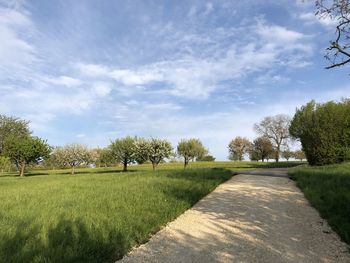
(99, 214)
(327, 189)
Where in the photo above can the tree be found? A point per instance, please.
(123, 151)
(103, 157)
(5, 163)
(338, 53)
(287, 153)
(25, 150)
(190, 150)
(206, 158)
(141, 150)
(275, 128)
(261, 149)
(14, 127)
(324, 131)
(238, 147)
(158, 150)
(72, 155)
(299, 154)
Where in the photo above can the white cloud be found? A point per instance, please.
(16, 53)
(63, 80)
(259, 47)
(310, 19)
(209, 7)
(101, 89)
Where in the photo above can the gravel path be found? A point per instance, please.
(259, 216)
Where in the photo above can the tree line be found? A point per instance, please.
(323, 130)
(19, 147)
(272, 143)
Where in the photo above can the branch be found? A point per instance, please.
(338, 64)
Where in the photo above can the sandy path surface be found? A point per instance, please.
(250, 218)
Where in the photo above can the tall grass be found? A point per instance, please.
(328, 190)
(93, 217)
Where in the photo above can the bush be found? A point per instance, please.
(324, 131)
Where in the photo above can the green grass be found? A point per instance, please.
(94, 217)
(328, 190)
(233, 166)
(99, 214)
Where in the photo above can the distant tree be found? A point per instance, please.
(287, 154)
(123, 151)
(206, 158)
(190, 150)
(238, 147)
(253, 155)
(102, 157)
(5, 163)
(158, 150)
(275, 128)
(299, 154)
(141, 150)
(72, 155)
(261, 149)
(338, 11)
(14, 127)
(25, 150)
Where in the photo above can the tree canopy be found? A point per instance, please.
(190, 150)
(14, 127)
(25, 150)
(238, 147)
(123, 151)
(261, 149)
(275, 128)
(72, 155)
(158, 150)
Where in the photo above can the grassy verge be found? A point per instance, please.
(328, 190)
(93, 217)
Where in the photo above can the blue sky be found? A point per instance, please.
(92, 71)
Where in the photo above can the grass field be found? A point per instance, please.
(98, 214)
(328, 190)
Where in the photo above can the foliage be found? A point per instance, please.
(275, 128)
(327, 189)
(94, 217)
(238, 147)
(190, 150)
(25, 150)
(72, 155)
(299, 155)
(11, 126)
(123, 151)
(338, 11)
(103, 157)
(261, 149)
(324, 131)
(158, 150)
(287, 153)
(5, 163)
(141, 150)
(206, 158)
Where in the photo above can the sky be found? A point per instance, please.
(93, 71)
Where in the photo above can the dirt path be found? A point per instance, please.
(250, 218)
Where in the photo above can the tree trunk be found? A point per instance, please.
(277, 156)
(22, 167)
(73, 169)
(125, 166)
(154, 166)
(185, 163)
